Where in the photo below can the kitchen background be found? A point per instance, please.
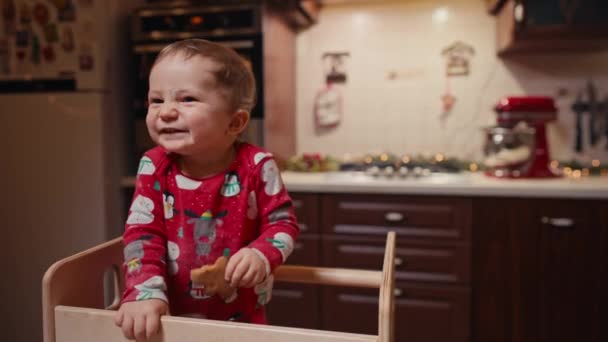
(72, 146)
(396, 78)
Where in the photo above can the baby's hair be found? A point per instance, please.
(233, 75)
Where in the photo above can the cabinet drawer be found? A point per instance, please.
(307, 211)
(286, 297)
(422, 313)
(442, 261)
(306, 251)
(409, 217)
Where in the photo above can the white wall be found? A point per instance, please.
(403, 115)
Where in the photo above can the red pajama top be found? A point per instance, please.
(177, 223)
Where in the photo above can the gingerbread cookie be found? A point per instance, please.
(211, 278)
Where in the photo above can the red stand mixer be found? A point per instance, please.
(517, 146)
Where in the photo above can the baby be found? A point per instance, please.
(201, 194)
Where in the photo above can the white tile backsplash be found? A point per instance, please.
(402, 115)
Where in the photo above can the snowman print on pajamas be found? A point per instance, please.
(168, 204)
(232, 185)
(271, 178)
(134, 252)
(172, 255)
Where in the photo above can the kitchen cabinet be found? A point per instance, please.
(551, 25)
(304, 298)
(301, 14)
(423, 312)
(540, 270)
(349, 231)
(467, 269)
(432, 263)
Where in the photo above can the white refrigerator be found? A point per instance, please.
(64, 105)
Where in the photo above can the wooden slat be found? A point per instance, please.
(386, 309)
(328, 276)
(79, 324)
(78, 280)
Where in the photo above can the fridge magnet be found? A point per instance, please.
(67, 39)
(457, 58)
(59, 4)
(48, 53)
(41, 14)
(4, 57)
(35, 55)
(21, 55)
(50, 33)
(85, 59)
(9, 16)
(67, 12)
(25, 13)
(22, 38)
(86, 31)
(85, 3)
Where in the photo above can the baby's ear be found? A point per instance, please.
(239, 121)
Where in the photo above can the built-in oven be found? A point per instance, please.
(155, 26)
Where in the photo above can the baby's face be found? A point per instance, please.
(187, 112)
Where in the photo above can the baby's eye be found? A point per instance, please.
(156, 100)
(189, 99)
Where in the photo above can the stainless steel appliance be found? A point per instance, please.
(63, 97)
(517, 146)
(237, 26)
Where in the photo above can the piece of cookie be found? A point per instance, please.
(211, 277)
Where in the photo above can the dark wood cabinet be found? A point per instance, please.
(467, 269)
(551, 25)
(301, 14)
(432, 263)
(295, 305)
(421, 261)
(410, 217)
(298, 305)
(540, 270)
(423, 312)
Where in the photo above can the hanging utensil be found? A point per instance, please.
(579, 107)
(605, 108)
(593, 113)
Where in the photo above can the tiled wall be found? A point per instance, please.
(403, 115)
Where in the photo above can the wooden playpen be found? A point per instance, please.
(73, 303)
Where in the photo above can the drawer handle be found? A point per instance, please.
(558, 222)
(394, 216)
(398, 292)
(398, 261)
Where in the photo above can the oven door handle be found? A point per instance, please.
(155, 48)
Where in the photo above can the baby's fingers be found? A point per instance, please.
(239, 272)
(118, 317)
(152, 325)
(127, 327)
(139, 328)
(248, 279)
(231, 266)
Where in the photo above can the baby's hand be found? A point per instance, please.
(140, 320)
(245, 269)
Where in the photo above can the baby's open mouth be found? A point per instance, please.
(172, 131)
